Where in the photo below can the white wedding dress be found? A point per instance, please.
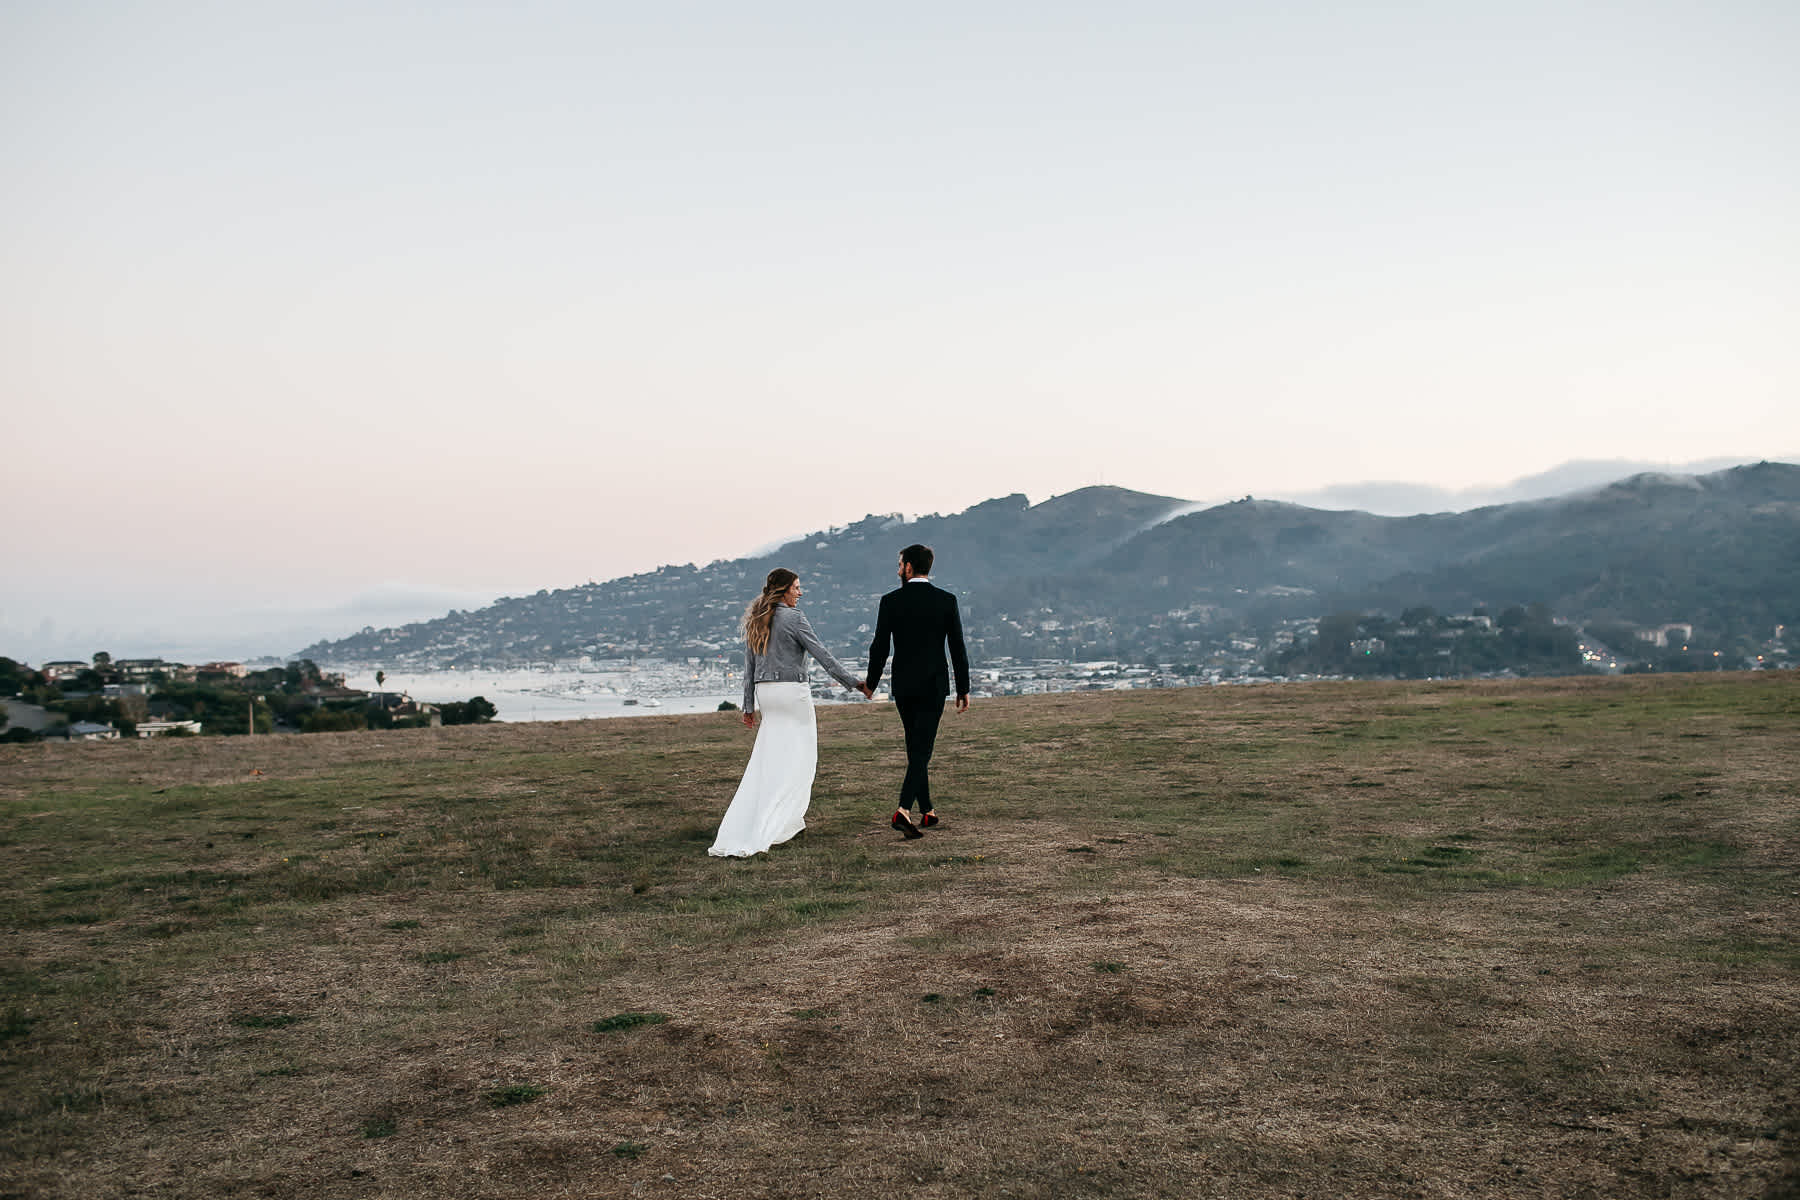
(771, 800)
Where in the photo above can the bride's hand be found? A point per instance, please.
(749, 720)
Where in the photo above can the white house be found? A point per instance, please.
(148, 729)
(1660, 635)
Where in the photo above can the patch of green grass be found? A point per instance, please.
(628, 1020)
(1742, 950)
(511, 1094)
(811, 908)
(81, 1100)
(408, 923)
(1702, 854)
(442, 956)
(380, 1127)
(265, 1020)
(1109, 968)
(630, 1149)
(1584, 866)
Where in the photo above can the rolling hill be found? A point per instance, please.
(1105, 567)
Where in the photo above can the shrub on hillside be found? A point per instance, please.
(327, 721)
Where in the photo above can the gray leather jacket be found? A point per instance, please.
(791, 639)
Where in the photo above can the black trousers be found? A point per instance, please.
(919, 718)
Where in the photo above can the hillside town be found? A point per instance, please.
(106, 699)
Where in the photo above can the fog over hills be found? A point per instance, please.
(1105, 571)
(1399, 499)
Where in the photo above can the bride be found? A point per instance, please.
(770, 805)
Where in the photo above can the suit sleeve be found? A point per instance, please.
(878, 647)
(803, 630)
(749, 679)
(959, 654)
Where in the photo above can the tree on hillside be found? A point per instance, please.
(102, 660)
(1336, 632)
(16, 676)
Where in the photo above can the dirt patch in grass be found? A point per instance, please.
(1554, 953)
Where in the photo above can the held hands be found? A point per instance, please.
(868, 693)
(749, 720)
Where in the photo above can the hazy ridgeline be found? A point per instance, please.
(1107, 573)
(1338, 939)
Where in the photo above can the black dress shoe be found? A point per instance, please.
(928, 819)
(905, 826)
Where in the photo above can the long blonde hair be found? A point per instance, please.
(761, 613)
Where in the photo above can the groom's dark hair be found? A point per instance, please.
(918, 558)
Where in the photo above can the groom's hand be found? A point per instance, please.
(962, 702)
(868, 693)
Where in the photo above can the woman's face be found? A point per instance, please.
(791, 597)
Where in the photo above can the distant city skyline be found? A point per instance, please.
(362, 311)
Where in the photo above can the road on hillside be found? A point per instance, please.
(1596, 653)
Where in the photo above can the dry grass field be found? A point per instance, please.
(1337, 940)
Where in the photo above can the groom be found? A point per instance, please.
(919, 618)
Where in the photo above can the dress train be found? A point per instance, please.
(771, 800)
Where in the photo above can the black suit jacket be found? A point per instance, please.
(919, 618)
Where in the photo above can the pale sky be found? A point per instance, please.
(312, 311)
